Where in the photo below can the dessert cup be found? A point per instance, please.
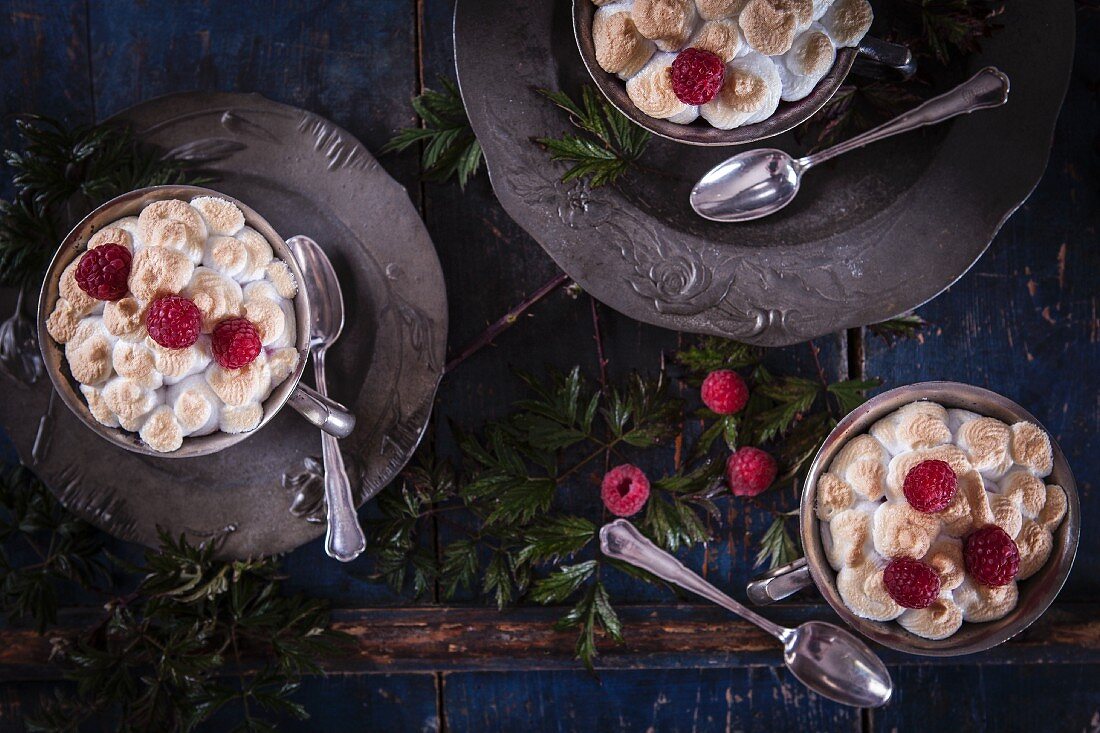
(1036, 593)
(326, 414)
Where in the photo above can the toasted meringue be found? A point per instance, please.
(1031, 448)
(1026, 490)
(112, 235)
(90, 358)
(668, 22)
(98, 406)
(651, 91)
(178, 236)
(129, 401)
(833, 495)
(1055, 507)
(769, 26)
(981, 603)
(161, 431)
(916, 425)
(946, 556)
(986, 442)
(176, 364)
(1006, 514)
(267, 316)
(237, 387)
(863, 592)
(170, 210)
(937, 621)
(862, 464)
(820, 8)
(63, 321)
(198, 410)
(131, 226)
(136, 362)
(902, 463)
(721, 37)
(718, 9)
(849, 532)
(810, 58)
(847, 21)
(1035, 544)
(216, 296)
(241, 419)
(620, 48)
(80, 302)
(958, 516)
(259, 255)
(750, 92)
(898, 530)
(278, 272)
(972, 485)
(125, 318)
(221, 216)
(157, 271)
(282, 362)
(227, 255)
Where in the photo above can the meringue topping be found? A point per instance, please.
(278, 272)
(80, 302)
(810, 58)
(750, 92)
(259, 256)
(719, 9)
(63, 321)
(178, 236)
(221, 216)
(170, 210)
(125, 318)
(112, 235)
(89, 359)
(849, 531)
(161, 431)
(237, 387)
(668, 22)
(946, 556)
(833, 496)
(157, 271)
(1035, 543)
(651, 91)
(241, 419)
(899, 530)
(216, 296)
(1006, 514)
(1030, 447)
(847, 21)
(227, 255)
(769, 26)
(1055, 507)
(937, 621)
(986, 442)
(282, 362)
(720, 37)
(197, 408)
(267, 316)
(98, 406)
(1026, 490)
(864, 593)
(175, 364)
(129, 401)
(916, 425)
(620, 48)
(985, 603)
(136, 362)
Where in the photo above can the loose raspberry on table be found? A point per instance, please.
(911, 583)
(749, 471)
(625, 490)
(104, 272)
(724, 392)
(991, 556)
(930, 486)
(696, 76)
(235, 343)
(173, 321)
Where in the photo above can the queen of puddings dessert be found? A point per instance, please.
(177, 322)
(728, 61)
(934, 515)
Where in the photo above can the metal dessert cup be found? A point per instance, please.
(786, 117)
(325, 413)
(1036, 593)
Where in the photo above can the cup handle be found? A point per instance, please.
(779, 583)
(325, 413)
(885, 53)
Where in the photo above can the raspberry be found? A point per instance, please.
(930, 486)
(625, 490)
(696, 76)
(724, 392)
(235, 343)
(911, 583)
(749, 471)
(103, 272)
(991, 556)
(173, 322)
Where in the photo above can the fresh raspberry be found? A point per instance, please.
(911, 583)
(749, 471)
(696, 76)
(724, 392)
(991, 556)
(173, 321)
(104, 272)
(235, 343)
(930, 486)
(625, 490)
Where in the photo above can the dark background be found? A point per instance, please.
(1024, 322)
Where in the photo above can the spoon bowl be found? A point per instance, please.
(837, 665)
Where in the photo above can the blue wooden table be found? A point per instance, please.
(1025, 321)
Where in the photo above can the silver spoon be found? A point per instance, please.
(825, 658)
(344, 539)
(759, 182)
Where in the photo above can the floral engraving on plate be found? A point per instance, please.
(331, 143)
(306, 485)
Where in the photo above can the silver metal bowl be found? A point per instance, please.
(1036, 593)
(786, 117)
(323, 412)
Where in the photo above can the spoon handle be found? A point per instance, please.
(344, 539)
(988, 88)
(622, 540)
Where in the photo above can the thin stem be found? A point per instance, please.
(506, 321)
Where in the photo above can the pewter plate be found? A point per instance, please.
(304, 175)
(871, 235)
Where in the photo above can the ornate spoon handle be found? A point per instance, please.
(344, 539)
(988, 88)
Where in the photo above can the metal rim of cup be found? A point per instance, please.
(1035, 594)
(130, 204)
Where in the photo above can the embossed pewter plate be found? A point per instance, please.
(871, 235)
(264, 495)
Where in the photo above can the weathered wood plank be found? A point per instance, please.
(419, 639)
